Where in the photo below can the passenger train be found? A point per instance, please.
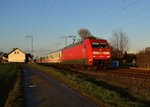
(90, 52)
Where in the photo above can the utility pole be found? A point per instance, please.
(31, 37)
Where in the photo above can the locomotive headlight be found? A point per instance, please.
(106, 53)
(95, 53)
(108, 56)
(90, 60)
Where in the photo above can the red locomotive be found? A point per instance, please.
(90, 52)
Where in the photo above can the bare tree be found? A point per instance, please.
(84, 33)
(120, 42)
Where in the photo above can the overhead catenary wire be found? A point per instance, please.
(114, 13)
(133, 17)
(45, 10)
(120, 10)
(139, 20)
(47, 13)
(131, 23)
(38, 17)
(96, 18)
(51, 7)
(130, 17)
(107, 11)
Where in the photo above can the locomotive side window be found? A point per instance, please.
(99, 45)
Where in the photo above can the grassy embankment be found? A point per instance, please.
(10, 86)
(109, 93)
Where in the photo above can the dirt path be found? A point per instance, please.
(42, 91)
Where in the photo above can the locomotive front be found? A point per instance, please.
(100, 52)
(100, 49)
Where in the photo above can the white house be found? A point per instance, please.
(16, 55)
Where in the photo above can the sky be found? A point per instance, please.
(48, 21)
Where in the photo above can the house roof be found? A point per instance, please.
(14, 50)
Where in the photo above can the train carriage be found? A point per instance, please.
(54, 57)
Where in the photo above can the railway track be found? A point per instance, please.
(130, 73)
(118, 72)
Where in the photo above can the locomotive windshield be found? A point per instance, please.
(99, 45)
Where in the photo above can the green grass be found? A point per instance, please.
(15, 97)
(8, 77)
(102, 92)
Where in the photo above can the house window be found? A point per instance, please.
(16, 52)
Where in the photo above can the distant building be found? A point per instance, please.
(3, 57)
(143, 58)
(16, 55)
(147, 49)
(129, 57)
